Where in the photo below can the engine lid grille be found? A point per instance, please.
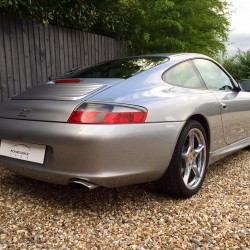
(62, 92)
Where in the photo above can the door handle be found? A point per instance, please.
(223, 106)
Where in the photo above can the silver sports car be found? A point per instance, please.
(161, 118)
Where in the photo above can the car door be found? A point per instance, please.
(234, 104)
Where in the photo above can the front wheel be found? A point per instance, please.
(187, 169)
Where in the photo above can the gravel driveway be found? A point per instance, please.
(38, 215)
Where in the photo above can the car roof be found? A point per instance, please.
(171, 55)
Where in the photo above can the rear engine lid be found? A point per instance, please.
(38, 110)
(66, 91)
(53, 102)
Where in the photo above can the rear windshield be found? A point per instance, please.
(121, 68)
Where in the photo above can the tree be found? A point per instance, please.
(115, 19)
(180, 25)
(205, 25)
(238, 65)
(150, 26)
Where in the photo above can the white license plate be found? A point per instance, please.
(23, 151)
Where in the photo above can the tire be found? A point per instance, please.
(187, 169)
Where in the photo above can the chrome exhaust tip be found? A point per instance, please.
(81, 184)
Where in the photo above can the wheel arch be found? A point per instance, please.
(203, 121)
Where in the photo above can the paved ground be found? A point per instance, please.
(38, 215)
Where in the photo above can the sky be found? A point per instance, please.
(240, 26)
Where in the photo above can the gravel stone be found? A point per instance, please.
(39, 215)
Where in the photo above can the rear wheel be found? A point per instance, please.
(187, 169)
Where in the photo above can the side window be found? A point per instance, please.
(183, 75)
(213, 76)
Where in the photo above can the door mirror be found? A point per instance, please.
(245, 84)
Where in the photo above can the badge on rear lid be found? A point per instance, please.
(24, 112)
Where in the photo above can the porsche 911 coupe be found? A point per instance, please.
(159, 118)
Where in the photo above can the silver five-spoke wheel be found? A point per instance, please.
(193, 158)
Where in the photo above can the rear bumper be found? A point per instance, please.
(107, 155)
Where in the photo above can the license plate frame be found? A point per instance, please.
(23, 151)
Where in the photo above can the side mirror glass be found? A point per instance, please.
(245, 84)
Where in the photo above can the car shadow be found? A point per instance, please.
(64, 196)
(67, 198)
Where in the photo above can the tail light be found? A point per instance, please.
(67, 81)
(94, 113)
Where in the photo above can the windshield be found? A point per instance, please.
(121, 68)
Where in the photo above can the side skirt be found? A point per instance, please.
(221, 153)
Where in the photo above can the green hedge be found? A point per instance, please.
(101, 17)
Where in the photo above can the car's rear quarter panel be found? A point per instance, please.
(167, 103)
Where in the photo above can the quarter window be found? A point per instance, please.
(213, 76)
(183, 75)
